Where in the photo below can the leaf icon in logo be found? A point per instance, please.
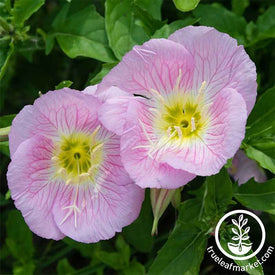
(246, 230)
(234, 222)
(240, 218)
(240, 248)
(235, 231)
(244, 222)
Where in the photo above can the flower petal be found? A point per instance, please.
(90, 90)
(207, 153)
(66, 111)
(157, 64)
(244, 169)
(32, 186)
(21, 128)
(114, 113)
(57, 112)
(219, 61)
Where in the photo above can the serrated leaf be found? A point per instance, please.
(23, 9)
(80, 31)
(257, 196)
(186, 5)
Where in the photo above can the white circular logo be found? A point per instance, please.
(240, 245)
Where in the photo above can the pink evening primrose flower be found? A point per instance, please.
(180, 105)
(66, 175)
(243, 169)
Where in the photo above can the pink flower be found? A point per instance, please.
(66, 174)
(243, 169)
(180, 105)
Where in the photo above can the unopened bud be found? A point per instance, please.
(160, 199)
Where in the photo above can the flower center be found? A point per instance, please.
(179, 118)
(78, 157)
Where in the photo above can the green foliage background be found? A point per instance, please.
(46, 45)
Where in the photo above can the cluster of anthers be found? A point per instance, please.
(175, 118)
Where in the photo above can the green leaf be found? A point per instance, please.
(19, 237)
(138, 233)
(186, 5)
(184, 250)
(266, 24)
(7, 50)
(127, 25)
(218, 194)
(259, 142)
(64, 267)
(26, 269)
(222, 19)
(153, 7)
(117, 260)
(259, 122)
(80, 31)
(23, 9)
(49, 40)
(123, 249)
(262, 158)
(214, 195)
(166, 30)
(64, 84)
(257, 196)
(99, 76)
(239, 6)
(134, 268)
(86, 250)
